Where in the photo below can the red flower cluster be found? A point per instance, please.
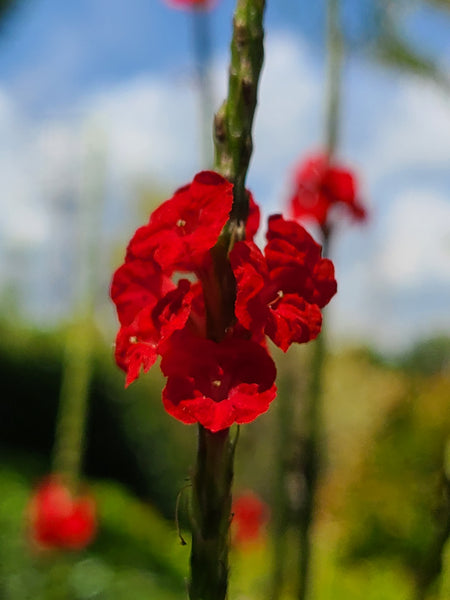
(320, 187)
(278, 293)
(250, 515)
(59, 521)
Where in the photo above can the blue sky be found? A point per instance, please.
(124, 69)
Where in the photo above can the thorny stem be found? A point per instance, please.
(234, 120)
(212, 479)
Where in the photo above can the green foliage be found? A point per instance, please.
(380, 501)
(128, 430)
(136, 555)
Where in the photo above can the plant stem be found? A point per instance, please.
(212, 480)
(310, 455)
(77, 364)
(333, 77)
(311, 460)
(211, 501)
(432, 564)
(201, 37)
(73, 402)
(280, 519)
(234, 120)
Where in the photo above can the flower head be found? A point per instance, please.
(320, 187)
(246, 296)
(58, 520)
(217, 384)
(186, 226)
(282, 291)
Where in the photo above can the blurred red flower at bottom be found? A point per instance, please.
(250, 515)
(58, 520)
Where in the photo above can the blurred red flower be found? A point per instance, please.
(320, 187)
(250, 515)
(57, 520)
(191, 4)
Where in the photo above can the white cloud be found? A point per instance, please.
(150, 126)
(416, 245)
(412, 130)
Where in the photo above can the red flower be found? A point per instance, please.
(138, 344)
(58, 520)
(194, 4)
(138, 284)
(178, 237)
(278, 294)
(217, 384)
(320, 187)
(250, 515)
(254, 216)
(282, 292)
(185, 227)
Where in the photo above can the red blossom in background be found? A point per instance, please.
(191, 4)
(57, 520)
(250, 515)
(278, 293)
(321, 187)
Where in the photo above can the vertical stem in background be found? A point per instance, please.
(69, 436)
(333, 77)
(311, 460)
(77, 364)
(432, 565)
(202, 54)
(212, 479)
(280, 515)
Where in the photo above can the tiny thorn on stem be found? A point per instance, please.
(177, 508)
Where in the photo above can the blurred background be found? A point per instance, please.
(100, 120)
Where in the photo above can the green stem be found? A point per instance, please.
(432, 564)
(211, 509)
(69, 436)
(333, 78)
(202, 53)
(280, 518)
(212, 480)
(310, 455)
(234, 120)
(77, 364)
(310, 462)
